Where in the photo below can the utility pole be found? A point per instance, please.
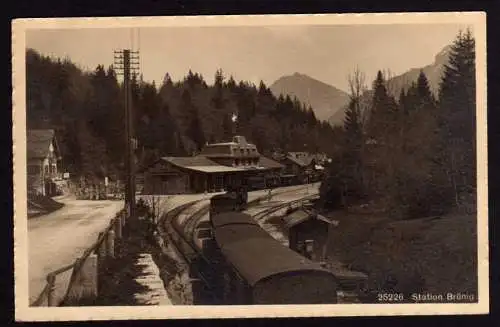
(127, 62)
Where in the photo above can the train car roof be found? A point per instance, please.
(232, 218)
(222, 196)
(258, 256)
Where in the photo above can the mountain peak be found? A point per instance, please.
(432, 71)
(443, 55)
(325, 99)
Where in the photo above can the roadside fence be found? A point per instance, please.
(78, 283)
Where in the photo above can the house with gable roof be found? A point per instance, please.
(303, 167)
(43, 161)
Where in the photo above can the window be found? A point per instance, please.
(33, 169)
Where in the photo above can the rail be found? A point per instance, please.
(263, 214)
(83, 283)
(173, 233)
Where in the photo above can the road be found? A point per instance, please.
(57, 239)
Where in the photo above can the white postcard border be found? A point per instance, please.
(23, 312)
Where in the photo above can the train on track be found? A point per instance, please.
(246, 265)
(233, 200)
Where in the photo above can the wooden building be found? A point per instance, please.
(308, 233)
(302, 167)
(214, 169)
(43, 161)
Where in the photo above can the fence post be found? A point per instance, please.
(101, 249)
(110, 244)
(51, 281)
(123, 216)
(118, 227)
(89, 273)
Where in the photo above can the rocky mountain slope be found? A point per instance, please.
(395, 84)
(325, 99)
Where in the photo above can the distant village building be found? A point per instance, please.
(302, 167)
(217, 167)
(43, 161)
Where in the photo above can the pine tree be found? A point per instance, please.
(227, 127)
(168, 121)
(382, 116)
(424, 93)
(167, 80)
(353, 139)
(219, 79)
(457, 150)
(191, 120)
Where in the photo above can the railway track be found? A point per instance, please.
(173, 229)
(188, 227)
(262, 215)
(180, 232)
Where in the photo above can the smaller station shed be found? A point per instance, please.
(308, 233)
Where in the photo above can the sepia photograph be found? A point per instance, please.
(250, 166)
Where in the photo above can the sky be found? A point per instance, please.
(328, 53)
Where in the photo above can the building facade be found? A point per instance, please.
(43, 162)
(218, 167)
(302, 167)
(308, 233)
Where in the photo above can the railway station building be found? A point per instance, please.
(216, 167)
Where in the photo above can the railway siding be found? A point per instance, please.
(177, 232)
(351, 282)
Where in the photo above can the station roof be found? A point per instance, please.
(269, 163)
(195, 161)
(203, 164)
(258, 256)
(214, 169)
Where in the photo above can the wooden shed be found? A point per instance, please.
(308, 233)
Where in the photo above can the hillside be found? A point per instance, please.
(432, 71)
(323, 98)
(435, 254)
(85, 108)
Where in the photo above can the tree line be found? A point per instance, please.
(414, 155)
(175, 119)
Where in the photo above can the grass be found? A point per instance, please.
(435, 255)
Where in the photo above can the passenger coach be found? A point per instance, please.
(257, 269)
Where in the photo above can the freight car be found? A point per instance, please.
(254, 268)
(232, 201)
